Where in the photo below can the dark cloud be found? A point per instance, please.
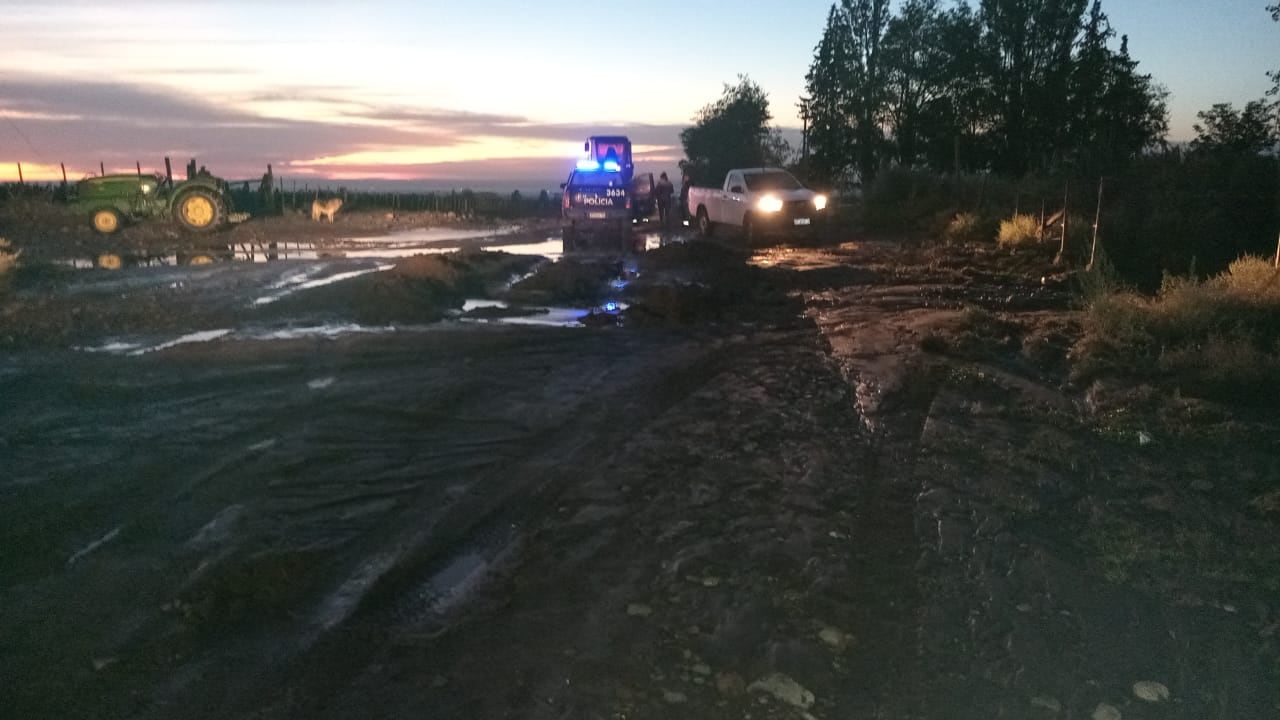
(107, 100)
(457, 119)
(118, 123)
(113, 122)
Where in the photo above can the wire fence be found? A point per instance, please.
(272, 196)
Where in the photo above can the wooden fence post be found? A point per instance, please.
(20, 180)
(139, 164)
(1097, 218)
(64, 172)
(1062, 247)
(102, 168)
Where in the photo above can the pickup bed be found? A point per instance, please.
(759, 201)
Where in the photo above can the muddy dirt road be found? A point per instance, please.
(839, 482)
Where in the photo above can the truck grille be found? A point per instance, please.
(798, 208)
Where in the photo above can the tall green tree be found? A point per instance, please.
(831, 141)
(732, 132)
(916, 68)
(960, 120)
(1115, 111)
(1028, 57)
(867, 88)
(1014, 86)
(1275, 74)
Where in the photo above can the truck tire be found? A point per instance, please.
(199, 210)
(705, 226)
(106, 220)
(568, 238)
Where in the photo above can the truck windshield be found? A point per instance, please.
(596, 179)
(772, 181)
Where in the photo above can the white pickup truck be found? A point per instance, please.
(759, 201)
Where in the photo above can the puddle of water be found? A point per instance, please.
(121, 347)
(82, 552)
(339, 605)
(299, 281)
(479, 303)
(452, 583)
(310, 331)
(554, 317)
(437, 235)
(551, 248)
(375, 248)
(111, 347)
(195, 337)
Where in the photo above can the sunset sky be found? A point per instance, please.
(485, 91)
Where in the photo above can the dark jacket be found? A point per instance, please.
(664, 191)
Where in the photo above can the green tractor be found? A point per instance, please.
(202, 203)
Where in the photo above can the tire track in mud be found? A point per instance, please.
(335, 483)
(486, 528)
(1006, 484)
(758, 482)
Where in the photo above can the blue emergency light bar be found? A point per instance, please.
(594, 165)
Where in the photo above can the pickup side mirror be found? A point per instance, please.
(564, 185)
(736, 189)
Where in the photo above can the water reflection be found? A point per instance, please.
(426, 241)
(369, 248)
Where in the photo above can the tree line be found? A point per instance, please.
(1033, 99)
(1011, 87)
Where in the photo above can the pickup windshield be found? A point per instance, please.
(772, 181)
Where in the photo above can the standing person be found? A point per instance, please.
(663, 193)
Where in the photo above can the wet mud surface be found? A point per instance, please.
(699, 481)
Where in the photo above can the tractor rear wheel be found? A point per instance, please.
(106, 220)
(199, 210)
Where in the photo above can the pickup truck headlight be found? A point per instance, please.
(769, 204)
(820, 202)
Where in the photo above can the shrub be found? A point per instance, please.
(1219, 337)
(908, 201)
(1019, 230)
(967, 227)
(8, 258)
(1252, 277)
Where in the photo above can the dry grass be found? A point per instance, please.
(1018, 231)
(1219, 337)
(8, 258)
(967, 227)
